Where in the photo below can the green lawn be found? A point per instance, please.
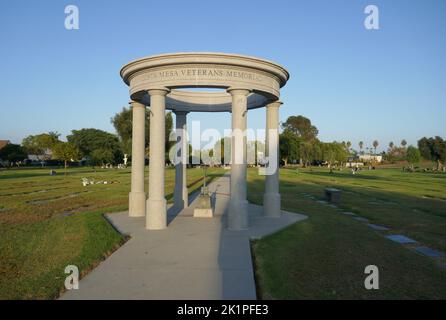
(48, 222)
(324, 256)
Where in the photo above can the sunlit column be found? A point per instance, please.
(271, 198)
(137, 196)
(156, 217)
(238, 204)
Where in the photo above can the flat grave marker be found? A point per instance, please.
(429, 252)
(361, 219)
(399, 238)
(377, 227)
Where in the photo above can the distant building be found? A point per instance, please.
(3, 143)
(41, 157)
(354, 164)
(361, 159)
(370, 158)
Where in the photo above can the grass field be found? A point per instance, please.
(48, 222)
(325, 256)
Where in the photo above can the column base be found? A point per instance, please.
(271, 205)
(238, 218)
(137, 204)
(156, 214)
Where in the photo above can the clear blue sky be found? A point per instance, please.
(354, 84)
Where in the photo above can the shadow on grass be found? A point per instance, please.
(324, 256)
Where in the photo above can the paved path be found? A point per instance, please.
(194, 258)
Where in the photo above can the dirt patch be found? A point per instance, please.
(73, 211)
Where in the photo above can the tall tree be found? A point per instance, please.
(375, 145)
(222, 149)
(101, 156)
(361, 145)
(66, 151)
(305, 151)
(13, 153)
(289, 145)
(54, 135)
(88, 140)
(413, 156)
(390, 152)
(301, 127)
(433, 149)
(424, 145)
(349, 144)
(122, 121)
(403, 143)
(334, 152)
(41, 144)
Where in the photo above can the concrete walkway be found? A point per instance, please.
(194, 258)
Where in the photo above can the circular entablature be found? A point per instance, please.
(178, 72)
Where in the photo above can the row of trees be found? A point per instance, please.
(396, 153)
(431, 149)
(298, 142)
(13, 153)
(375, 145)
(93, 145)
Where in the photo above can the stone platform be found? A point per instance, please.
(194, 258)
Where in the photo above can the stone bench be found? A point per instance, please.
(333, 195)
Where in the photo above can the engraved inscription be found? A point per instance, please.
(207, 73)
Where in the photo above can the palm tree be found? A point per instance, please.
(361, 144)
(54, 134)
(349, 144)
(403, 143)
(391, 145)
(375, 145)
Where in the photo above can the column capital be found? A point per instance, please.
(274, 104)
(158, 92)
(238, 91)
(180, 113)
(133, 103)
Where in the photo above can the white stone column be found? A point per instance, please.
(271, 198)
(156, 214)
(181, 198)
(137, 196)
(238, 205)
